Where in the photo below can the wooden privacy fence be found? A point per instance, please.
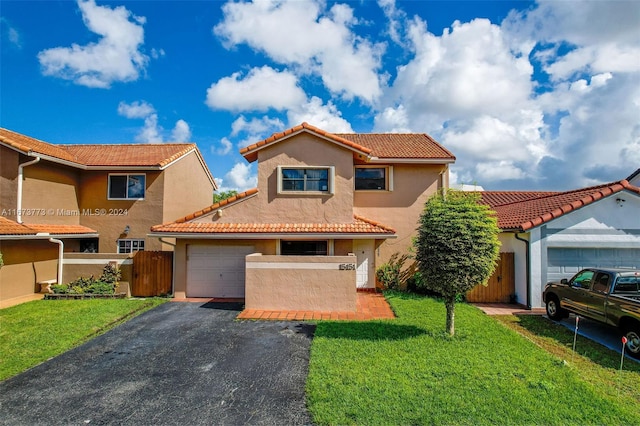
(500, 287)
(152, 273)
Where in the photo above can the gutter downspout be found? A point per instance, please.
(173, 266)
(60, 257)
(20, 177)
(528, 264)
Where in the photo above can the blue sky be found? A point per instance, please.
(526, 94)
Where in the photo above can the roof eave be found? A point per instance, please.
(269, 236)
(405, 160)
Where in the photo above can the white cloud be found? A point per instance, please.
(116, 57)
(181, 132)
(11, 32)
(240, 178)
(136, 109)
(326, 117)
(151, 131)
(304, 35)
(261, 89)
(254, 129)
(224, 148)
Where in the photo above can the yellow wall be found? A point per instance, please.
(186, 188)
(25, 263)
(117, 214)
(8, 181)
(49, 191)
(401, 208)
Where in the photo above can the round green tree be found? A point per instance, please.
(457, 246)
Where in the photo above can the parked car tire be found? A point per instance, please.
(554, 311)
(633, 341)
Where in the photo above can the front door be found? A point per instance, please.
(364, 250)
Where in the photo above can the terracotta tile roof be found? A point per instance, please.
(520, 212)
(61, 229)
(497, 198)
(216, 206)
(28, 144)
(250, 152)
(400, 145)
(95, 155)
(128, 155)
(9, 227)
(360, 225)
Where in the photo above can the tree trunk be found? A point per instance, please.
(450, 304)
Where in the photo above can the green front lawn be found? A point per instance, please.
(408, 371)
(33, 332)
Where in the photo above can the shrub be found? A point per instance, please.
(391, 275)
(106, 284)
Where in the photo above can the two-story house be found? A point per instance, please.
(327, 211)
(93, 198)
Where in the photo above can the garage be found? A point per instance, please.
(565, 262)
(216, 270)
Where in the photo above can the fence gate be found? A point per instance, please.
(500, 286)
(152, 273)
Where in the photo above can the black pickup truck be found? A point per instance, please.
(610, 296)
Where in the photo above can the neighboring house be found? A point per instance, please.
(328, 210)
(555, 234)
(95, 198)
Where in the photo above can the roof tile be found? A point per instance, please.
(9, 227)
(523, 210)
(360, 225)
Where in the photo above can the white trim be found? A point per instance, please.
(256, 236)
(295, 265)
(100, 261)
(45, 236)
(331, 172)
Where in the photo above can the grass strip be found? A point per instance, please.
(408, 371)
(31, 333)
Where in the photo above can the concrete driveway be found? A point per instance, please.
(593, 330)
(178, 364)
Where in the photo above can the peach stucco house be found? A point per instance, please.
(92, 198)
(327, 211)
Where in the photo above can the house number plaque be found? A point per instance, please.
(347, 267)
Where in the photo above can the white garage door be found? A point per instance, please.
(216, 271)
(565, 262)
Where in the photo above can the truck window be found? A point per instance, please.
(582, 279)
(601, 282)
(627, 285)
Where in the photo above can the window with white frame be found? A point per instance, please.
(130, 245)
(374, 178)
(126, 187)
(305, 179)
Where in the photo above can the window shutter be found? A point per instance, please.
(390, 171)
(279, 179)
(332, 179)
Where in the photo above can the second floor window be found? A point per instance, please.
(369, 178)
(305, 179)
(126, 187)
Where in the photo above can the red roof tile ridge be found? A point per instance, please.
(279, 135)
(374, 223)
(599, 192)
(211, 208)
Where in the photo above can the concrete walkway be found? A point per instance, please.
(507, 309)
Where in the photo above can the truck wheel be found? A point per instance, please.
(633, 342)
(554, 311)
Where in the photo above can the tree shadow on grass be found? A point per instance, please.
(587, 348)
(367, 330)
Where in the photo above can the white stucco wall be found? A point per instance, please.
(606, 223)
(509, 244)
